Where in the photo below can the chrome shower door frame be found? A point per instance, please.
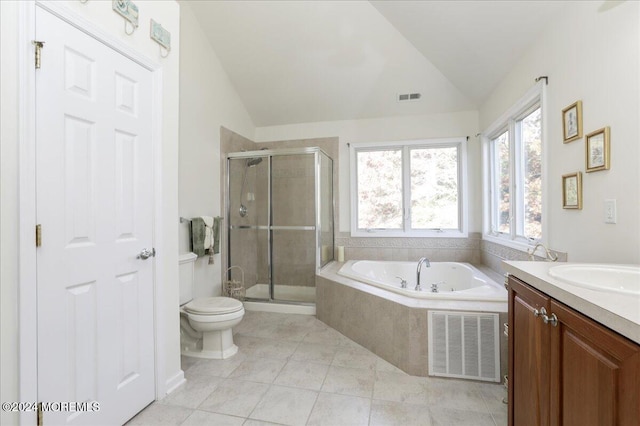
(269, 154)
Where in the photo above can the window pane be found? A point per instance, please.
(434, 188)
(502, 184)
(379, 189)
(532, 174)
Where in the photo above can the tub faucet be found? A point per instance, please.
(549, 255)
(403, 282)
(420, 262)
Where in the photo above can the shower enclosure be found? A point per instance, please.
(280, 227)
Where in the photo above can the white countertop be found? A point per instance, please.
(619, 312)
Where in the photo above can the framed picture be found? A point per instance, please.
(572, 122)
(597, 149)
(572, 191)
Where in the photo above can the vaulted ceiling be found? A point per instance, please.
(306, 61)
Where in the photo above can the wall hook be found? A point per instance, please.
(129, 11)
(162, 37)
(133, 28)
(162, 50)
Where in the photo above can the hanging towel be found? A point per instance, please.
(208, 237)
(208, 231)
(216, 234)
(198, 236)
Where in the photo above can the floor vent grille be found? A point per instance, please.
(464, 345)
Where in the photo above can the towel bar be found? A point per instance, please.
(184, 219)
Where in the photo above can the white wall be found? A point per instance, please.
(590, 55)
(207, 101)
(101, 15)
(384, 130)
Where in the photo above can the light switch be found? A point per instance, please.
(610, 214)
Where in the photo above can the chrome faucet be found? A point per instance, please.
(403, 282)
(420, 262)
(548, 254)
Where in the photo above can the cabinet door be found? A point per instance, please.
(528, 357)
(595, 377)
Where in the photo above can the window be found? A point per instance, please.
(513, 159)
(409, 189)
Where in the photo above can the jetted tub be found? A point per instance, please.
(457, 281)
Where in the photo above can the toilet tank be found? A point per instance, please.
(186, 263)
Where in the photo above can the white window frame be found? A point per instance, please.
(405, 146)
(533, 99)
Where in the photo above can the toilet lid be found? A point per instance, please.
(213, 306)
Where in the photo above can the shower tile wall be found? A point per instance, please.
(294, 258)
(293, 204)
(328, 145)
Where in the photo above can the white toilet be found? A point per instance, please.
(205, 323)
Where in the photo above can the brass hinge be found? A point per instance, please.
(39, 414)
(38, 235)
(39, 45)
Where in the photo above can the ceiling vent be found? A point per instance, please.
(408, 97)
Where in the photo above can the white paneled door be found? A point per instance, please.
(95, 206)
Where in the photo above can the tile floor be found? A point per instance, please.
(295, 370)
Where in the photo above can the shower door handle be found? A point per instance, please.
(146, 253)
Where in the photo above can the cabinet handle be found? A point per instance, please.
(553, 319)
(540, 313)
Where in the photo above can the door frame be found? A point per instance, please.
(27, 277)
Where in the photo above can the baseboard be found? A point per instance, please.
(175, 382)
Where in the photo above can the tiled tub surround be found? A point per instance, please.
(296, 370)
(411, 249)
(391, 325)
(493, 254)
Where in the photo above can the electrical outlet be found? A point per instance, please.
(610, 214)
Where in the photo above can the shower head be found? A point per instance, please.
(249, 162)
(253, 161)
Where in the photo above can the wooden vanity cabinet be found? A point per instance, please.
(569, 370)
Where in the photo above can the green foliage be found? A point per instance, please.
(380, 189)
(434, 188)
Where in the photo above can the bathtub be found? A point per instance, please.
(454, 281)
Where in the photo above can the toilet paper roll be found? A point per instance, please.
(340, 253)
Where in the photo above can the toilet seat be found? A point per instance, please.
(213, 306)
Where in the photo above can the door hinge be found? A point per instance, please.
(38, 235)
(39, 45)
(39, 414)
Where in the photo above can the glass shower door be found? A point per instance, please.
(248, 241)
(325, 210)
(293, 210)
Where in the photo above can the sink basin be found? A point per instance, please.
(623, 279)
